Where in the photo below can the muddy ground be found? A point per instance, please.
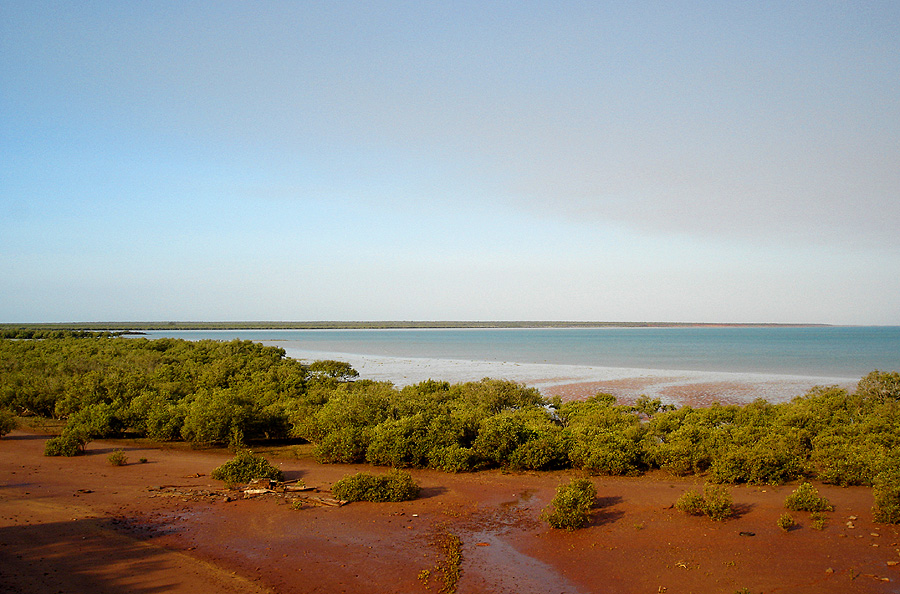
(82, 525)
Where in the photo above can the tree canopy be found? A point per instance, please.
(239, 391)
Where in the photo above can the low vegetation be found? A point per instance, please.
(806, 498)
(8, 421)
(396, 485)
(571, 507)
(714, 501)
(117, 458)
(239, 392)
(786, 522)
(886, 508)
(244, 467)
(819, 520)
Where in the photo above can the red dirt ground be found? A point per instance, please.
(82, 525)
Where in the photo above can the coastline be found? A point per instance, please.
(577, 382)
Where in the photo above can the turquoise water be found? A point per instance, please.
(832, 351)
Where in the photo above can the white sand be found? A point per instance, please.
(553, 379)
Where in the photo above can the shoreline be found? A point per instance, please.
(577, 382)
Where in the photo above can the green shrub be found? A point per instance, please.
(7, 421)
(67, 444)
(786, 521)
(452, 458)
(244, 467)
(691, 502)
(396, 485)
(886, 491)
(118, 458)
(400, 443)
(545, 452)
(747, 457)
(880, 386)
(818, 520)
(844, 460)
(717, 502)
(806, 498)
(330, 369)
(572, 505)
(500, 435)
(347, 445)
(714, 502)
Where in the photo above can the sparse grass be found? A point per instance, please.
(451, 547)
(819, 520)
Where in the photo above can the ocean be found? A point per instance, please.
(817, 351)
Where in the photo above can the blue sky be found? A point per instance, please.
(662, 161)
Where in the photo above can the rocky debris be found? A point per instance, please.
(291, 491)
(188, 492)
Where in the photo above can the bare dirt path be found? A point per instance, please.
(82, 525)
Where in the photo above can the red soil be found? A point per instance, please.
(82, 525)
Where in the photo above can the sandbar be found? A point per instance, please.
(577, 382)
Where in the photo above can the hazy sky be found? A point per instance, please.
(618, 161)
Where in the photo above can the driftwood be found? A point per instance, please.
(297, 488)
(248, 493)
(329, 501)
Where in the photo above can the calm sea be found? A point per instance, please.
(832, 351)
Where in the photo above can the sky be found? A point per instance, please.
(589, 161)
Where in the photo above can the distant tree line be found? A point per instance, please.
(233, 392)
(27, 333)
(138, 327)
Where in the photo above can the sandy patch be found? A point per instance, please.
(574, 382)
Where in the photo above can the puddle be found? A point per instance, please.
(523, 497)
(501, 568)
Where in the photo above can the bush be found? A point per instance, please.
(118, 458)
(806, 498)
(818, 520)
(572, 505)
(396, 485)
(452, 458)
(691, 502)
(7, 421)
(886, 509)
(714, 502)
(67, 444)
(347, 445)
(845, 461)
(718, 502)
(400, 443)
(244, 467)
(786, 522)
